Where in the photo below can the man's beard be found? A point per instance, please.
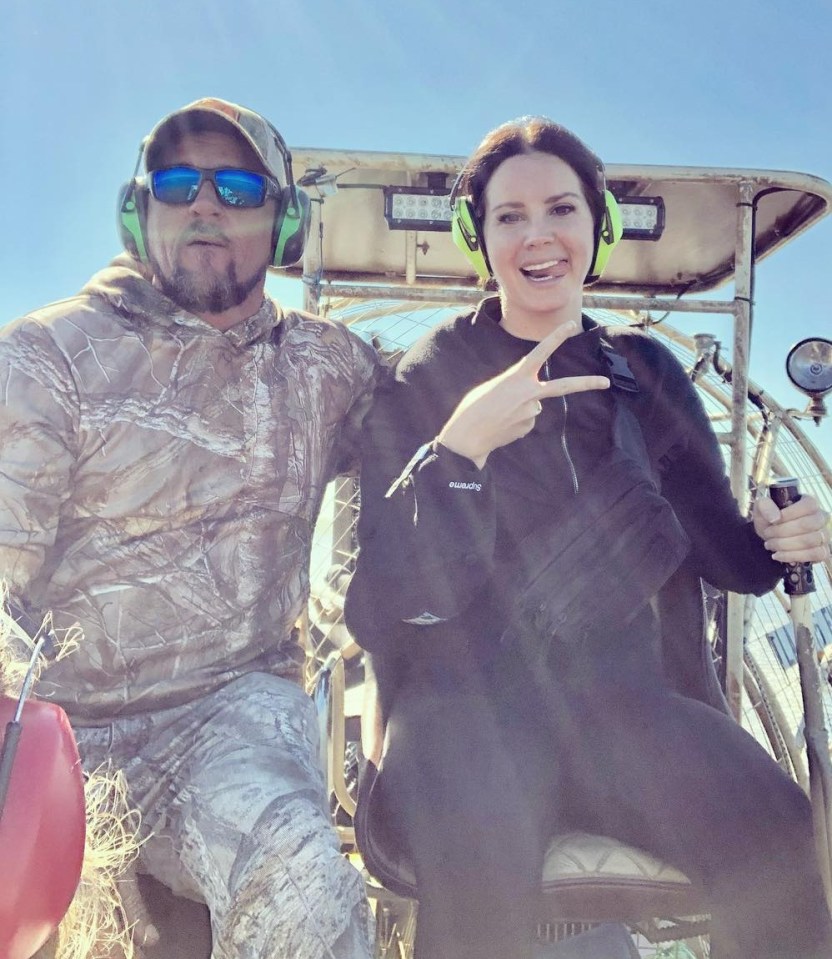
(202, 291)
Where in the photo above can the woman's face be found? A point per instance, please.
(539, 235)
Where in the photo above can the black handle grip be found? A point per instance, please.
(7, 755)
(798, 580)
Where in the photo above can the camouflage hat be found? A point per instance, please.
(255, 130)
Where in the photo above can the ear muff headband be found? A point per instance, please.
(291, 223)
(467, 235)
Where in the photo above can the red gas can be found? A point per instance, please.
(42, 828)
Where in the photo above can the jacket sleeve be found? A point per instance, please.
(726, 550)
(426, 526)
(39, 424)
(365, 373)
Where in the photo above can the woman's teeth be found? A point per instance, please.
(540, 271)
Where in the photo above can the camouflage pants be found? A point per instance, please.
(234, 809)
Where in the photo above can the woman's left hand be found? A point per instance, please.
(797, 534)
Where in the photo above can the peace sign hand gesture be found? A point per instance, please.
(504, 408)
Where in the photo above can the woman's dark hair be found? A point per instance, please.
(532, 135)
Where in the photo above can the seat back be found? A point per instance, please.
(42, 829)
(587, 879)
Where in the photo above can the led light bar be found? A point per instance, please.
(417, 208)
(642, 217)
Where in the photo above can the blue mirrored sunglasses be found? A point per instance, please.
(238, 188)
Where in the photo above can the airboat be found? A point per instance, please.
(380, 259)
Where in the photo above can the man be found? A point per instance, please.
(167, 435)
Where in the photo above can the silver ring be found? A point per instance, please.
(539, 408)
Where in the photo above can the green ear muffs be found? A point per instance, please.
(608, 236)
(291, 226)
(466, 234)
(130, 221)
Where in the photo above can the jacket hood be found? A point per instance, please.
(125, 285)
(127, 278)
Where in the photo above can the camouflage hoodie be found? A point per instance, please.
(159, 484)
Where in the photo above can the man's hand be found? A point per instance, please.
(504, 408)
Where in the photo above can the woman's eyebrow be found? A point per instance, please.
(514, 204)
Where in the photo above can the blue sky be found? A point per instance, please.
(730, 83)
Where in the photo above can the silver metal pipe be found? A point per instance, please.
(312, 261)
(743, 277)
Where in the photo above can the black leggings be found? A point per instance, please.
(477, 779)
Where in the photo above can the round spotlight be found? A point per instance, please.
(809, 366)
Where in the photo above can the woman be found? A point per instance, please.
(540, 497)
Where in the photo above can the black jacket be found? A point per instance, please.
(438, 554)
